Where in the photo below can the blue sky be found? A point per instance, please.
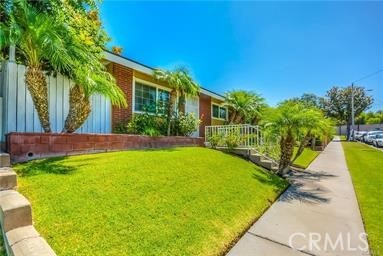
(278, 49)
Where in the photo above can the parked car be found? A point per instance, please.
(368, 138)
(378, 140)
(358, 135)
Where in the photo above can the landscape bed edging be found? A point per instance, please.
(27, 146)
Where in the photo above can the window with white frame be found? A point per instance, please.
(150, 99)
(219, 112)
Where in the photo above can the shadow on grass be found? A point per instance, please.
(52, 165)
(305, 187)
(270, 179)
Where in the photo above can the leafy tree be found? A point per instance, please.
(294, 124)
(370, 117)
(337, 103)
(181, 83)
(244, 106)
(309, 99)
(78, 31)
(90, 75)
(40, 39)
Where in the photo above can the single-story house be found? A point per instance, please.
(17, 113)
(137, 82)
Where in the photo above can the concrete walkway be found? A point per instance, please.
(321, 202)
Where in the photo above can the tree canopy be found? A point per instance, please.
(244, 106)
(337, 103)
(293, 124)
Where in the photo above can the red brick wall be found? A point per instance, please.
(124, 79)
(27, 146)
(204, 112)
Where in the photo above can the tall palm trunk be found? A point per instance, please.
(38, 88)
(233, 116)
(301, 148)
(172, 100)
(79, 109)
(287, 149)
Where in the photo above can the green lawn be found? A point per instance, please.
(366, 167)
(305, 159)
(2, 248)
(181, 201)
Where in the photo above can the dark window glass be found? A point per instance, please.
(163, 101)
(222, 113)
(144, 98)
(219, 112)
(215, 111)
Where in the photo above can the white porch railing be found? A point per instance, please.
(247, 136)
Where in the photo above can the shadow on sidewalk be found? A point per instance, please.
(305, 187)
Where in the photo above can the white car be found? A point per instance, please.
(358, 135)
(378, 140)
(371, 136)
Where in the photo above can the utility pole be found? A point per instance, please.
(352, 110)
(352, 106)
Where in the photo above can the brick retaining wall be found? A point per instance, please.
(27, 146)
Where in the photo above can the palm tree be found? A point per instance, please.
(40, 40)
(182, 84)
(88, 72)
(293, 122)
(89, 82)
(315, 125)
(244, 106)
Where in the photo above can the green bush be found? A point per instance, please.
(150, 131)
(144, 124)
(215, 140)
(187, 124)
(121, 128)
(157, 124)
(232, 140)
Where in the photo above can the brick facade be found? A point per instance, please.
(204, 112)
(27, 146)
(124, 79)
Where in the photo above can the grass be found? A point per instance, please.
(365, 165)
(2, 248)
(304, 160)
(181, 201)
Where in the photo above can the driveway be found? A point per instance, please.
(317, 215)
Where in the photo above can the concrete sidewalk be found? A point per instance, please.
(321, 202)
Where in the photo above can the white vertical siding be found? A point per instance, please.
(20, 115)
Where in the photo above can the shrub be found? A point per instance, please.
(232, 140)
(215, 140)
(186, 124)
(121, 128)
(150, 131)
(144, 124)
(157, 124)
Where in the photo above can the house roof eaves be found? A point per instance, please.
(124, 61)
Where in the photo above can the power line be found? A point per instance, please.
(368, 76)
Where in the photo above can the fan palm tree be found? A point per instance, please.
(40, 40)
(244, 106)
(90, 79)
(294, 123)
(88, 72)
(286, 122)
(182, 84)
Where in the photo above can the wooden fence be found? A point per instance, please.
(19, 114)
